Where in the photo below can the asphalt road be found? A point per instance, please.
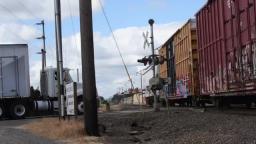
(11, 133)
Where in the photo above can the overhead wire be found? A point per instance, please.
(17, 19)
(9, 10)
(72, 22)
(74, 43)
(16, 35)
(116, 43)
(27, 9)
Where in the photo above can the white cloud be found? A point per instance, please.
(41, 9)
(110, 73)
(16, 33)
(35, 67)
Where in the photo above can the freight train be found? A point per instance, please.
(17, 98)
(212, 59)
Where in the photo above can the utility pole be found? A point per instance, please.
(141, 87)
(43, 50)
(43, 85)
(88, 69)
(59, 56)
(141, 83)
(151, 23)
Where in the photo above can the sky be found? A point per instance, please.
(128, 18)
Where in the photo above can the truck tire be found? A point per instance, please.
(18, 110)
(80, 107)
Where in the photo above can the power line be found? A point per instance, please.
(16, 35)
(14, 15)
(27, 9)
(11, 12)
(116, 43)
(72, 23)
(73, 39)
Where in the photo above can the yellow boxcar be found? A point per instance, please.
(186, 61)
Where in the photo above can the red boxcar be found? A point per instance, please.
(227, 48)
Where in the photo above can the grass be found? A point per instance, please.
(70, 131)
(54, 129)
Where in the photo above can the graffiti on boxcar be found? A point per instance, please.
(238, 66)
(225, 80)
(246, 53)
(231, 67)
(230, 3)
(219, 78)
(182, 88)
(254, 59)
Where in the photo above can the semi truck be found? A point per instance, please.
(17, 98)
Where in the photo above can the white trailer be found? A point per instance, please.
(16, 101)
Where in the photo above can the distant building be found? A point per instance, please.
(135, 97)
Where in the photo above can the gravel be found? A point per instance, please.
(181, 126)
(184, 126)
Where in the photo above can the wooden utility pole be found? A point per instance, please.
(88, 69)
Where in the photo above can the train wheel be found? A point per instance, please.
(1, 112)
(219, 103)
(18, 110)
(248, 105)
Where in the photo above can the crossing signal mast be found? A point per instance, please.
(155, 82)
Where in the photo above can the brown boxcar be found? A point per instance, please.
(227, 48)
(163, 73)
(167, 70)
(186, 61)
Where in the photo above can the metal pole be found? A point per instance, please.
(43, 53)
(44, 50)
(59, 55)
(151, 23)
(88, 69)
(141, 87)
(77, 74)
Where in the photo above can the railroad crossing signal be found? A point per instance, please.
(146, 43)
(145, 60)
(156, 60)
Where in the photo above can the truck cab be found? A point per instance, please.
(51, 87)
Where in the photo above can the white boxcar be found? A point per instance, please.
(14, 71)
